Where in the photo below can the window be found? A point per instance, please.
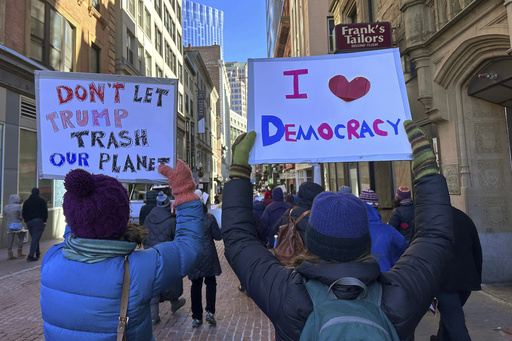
(148, 65)
(96, 4)
(179, 43)
(28, 173)
(172, 4)
(173, 63)
(52, 37)
(330, 34)
(374, 15)
(159, 72)
(158, 40)
(180, 75)
(131, 7)
(173, 31)
(148, 23)
(178, 12)
(140, 57)
(186, 103)
(158, 7)
(95, 59)
(130, 47)
(140, 14)
(167, 20)
(168, 54)
(180, 103)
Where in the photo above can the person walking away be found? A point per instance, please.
(148, 206)
(82, 277)
(267, 198)
(344, 189)
(35, 214)
(307, 193)
(462, 276)
(338, 245)
(206, 271)
(289, 199)
(15, 229)
(161, 226)
(272, 213)
(402, 217)
(387, 243)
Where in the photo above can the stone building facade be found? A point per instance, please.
(458, 73)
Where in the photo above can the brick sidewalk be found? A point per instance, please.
(238, 318)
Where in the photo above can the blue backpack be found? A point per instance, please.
(360, 319)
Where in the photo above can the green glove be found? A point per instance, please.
(424, 160)
(241, 148)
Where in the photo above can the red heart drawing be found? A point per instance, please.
(349, 91)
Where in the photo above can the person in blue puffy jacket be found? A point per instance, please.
(82, 277)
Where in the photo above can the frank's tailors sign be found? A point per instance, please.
(365, 36)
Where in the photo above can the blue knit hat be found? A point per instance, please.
(338, 227)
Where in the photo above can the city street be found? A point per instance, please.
(488, 313)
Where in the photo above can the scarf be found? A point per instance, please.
(95, 250)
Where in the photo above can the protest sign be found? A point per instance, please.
(121, 126)
(334, 108)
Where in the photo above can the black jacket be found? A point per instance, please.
(464, 270)
(209, 265)
(161, 225)
(402, 219)
(408, 288)
(35, 207)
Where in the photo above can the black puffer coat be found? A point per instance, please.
(161, 225)
(209, 265)
(402, 219)
(407, 289)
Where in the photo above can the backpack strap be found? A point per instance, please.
(319, 292)
(123, 319)
(301, 216)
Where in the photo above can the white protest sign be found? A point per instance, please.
(121, 126)
(334, 108)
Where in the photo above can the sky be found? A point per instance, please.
(244, 28)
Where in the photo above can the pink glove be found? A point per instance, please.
(181, 182)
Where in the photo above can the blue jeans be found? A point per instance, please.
(36, 229)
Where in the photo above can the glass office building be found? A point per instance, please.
(202, 25)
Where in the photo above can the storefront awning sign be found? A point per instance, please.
(333, 108)
(121, 126)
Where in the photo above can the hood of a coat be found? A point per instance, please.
(373, 214)
(307, 193)
(14, 199)
(277, 194)
(328, 272)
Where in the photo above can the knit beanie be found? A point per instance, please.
(162, 200)
(403, 193)
(338, 227)
(344, 189)
(96, 206)
(267, 194)
(151, 197)
(369, 197)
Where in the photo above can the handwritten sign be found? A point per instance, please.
(121, 126)
(335, 108)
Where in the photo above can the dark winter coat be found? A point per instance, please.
(307, 193)
(35, 207)
(387, 244)
(464, 271)
(259, 207)
(148, 207)
(402, 218)
(161, 225)
(272, 213)
(209, 265)
(407, 289)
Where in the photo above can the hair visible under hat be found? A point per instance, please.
(96, 206)
(338, 227)
(370, 197)
(403, 193)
